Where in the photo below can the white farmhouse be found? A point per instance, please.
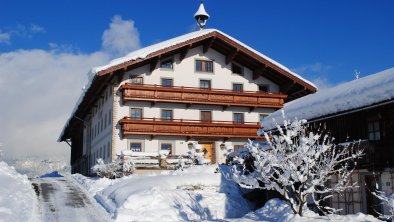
(203, 88)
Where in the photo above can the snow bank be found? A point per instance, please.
(276, 210)
(358, 93)
(197, 193)
(17, 198)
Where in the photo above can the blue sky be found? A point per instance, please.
(47, 47)
(319, 39)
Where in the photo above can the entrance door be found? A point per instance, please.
(207, 151)
(373, 203)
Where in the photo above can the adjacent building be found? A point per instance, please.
(357, 113)
(203, 88)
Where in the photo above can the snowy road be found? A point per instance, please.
(62, 200)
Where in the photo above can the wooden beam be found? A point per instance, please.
(287, 87)
(208, 45)
(231, 56)
(258, 72)
(153, 63)
(184, 52)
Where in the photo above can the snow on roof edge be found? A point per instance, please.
(144, 52)
(359, 93)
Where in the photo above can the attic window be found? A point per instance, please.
(204, 66)
(167, 64)
(264, 88)
(237, 69)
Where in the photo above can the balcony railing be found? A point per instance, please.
(190, 95)
(188, 128)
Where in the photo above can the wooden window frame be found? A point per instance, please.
(131, 113)
(136, 77)
(203, 66)
(201, 116)
(165, 79)
(242, 120)
(130, 146)
(205, 80)
(264, 85)
(163, 61)
(167, 143)
(240, 67)
(238, 84)
(375, 131)
(166, 110)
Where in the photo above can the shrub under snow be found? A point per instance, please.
(296, 163)
(115, 169)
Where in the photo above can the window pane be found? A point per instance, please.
(236, 69)
(206, 116)
(371, 136)
(166, 146)
(136, 113)
(166, 114)
(136, 81)
(208, 66)
(263, 88)
(205, 84)
(166, 82)
(238, 118)
(262, 116)
(166, 64)
(237, 87)
(377, 135)
(198, 65)
(135, 147)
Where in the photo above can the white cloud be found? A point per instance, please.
(5, 37)
(121, 38)
(36, 28)
(38, 91)
(316, 68)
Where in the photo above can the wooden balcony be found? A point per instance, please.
(190, 95)
(188, 128)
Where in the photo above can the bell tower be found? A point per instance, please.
(201, 16)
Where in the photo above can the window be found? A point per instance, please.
(206, 116)
(166, 146)
(166, 114)
(166, 82)
(166, 64)
(262, 116)
(238, 118)
(264, 88)
(204, 66)
(238, 87)
(237, 69)
(137, 81)
(205, 84)
(136, 113)
(135, 147)
(374, 130)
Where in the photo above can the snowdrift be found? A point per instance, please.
(17, 198)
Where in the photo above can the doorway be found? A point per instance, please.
(207, 151)
(373, 203)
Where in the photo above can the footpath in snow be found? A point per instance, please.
(61, 199)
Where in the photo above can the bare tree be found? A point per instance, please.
(297, 163)
(387, 200)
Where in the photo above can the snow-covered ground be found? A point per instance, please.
(17, 198)
(197, 193)
(276, 210)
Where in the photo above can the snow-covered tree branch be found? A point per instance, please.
(297, 163)
(387, 200)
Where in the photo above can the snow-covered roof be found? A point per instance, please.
(144, 53)
(352, 95)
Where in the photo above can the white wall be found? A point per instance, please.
(183, 74)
